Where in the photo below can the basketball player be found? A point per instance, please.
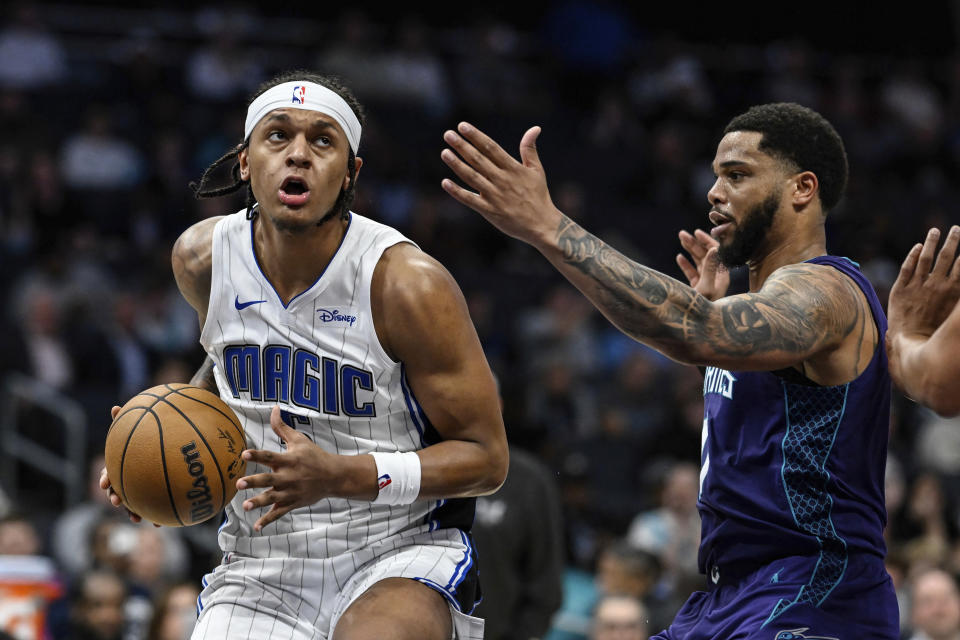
(350, 358)
(923, 342)
(796, 389)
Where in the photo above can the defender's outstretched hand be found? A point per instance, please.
(922, 297)
(511, 195)
(706, 275)
(923, 338)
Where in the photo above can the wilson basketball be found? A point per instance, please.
(173, 454)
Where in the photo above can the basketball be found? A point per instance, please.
(173, 454)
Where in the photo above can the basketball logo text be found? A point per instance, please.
(280, 373)
(718, 381)
(201, 501)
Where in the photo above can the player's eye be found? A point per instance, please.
(323, 141)
(276, 136)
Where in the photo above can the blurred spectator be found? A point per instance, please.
(225, 69)
(44, 344)
(18, 536)
(518, 531)
(672, 530)
(107, 539)
(96, 158)
(31, 57)
(175, 613)
(935, 611)
(97, 606)
(621, 570)
(28, 580)
(619, 618)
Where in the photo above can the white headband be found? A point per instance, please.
(305, 95)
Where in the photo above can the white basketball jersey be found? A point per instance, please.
(319, 358)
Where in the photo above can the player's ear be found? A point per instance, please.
(805, 188)
(357, 163)
(243, 157)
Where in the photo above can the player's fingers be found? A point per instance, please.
(909, 266)
(466, 172)
(114, 410)
(529, 155)
(275, 513)
(260, 500)
(284, 431)
(463, 196)
(947, 252)
(705, 239)
(257, 480)
(690, 244)
(928, 251)
(471, 155)
(711, 264)
(688, 270)
(487, 146)
(261, 456)
(104, 479)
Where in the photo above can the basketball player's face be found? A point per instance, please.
(745, 198)
(297, 166)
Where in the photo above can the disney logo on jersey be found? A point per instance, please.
(798, 634)
(718, 381)
(336, 316)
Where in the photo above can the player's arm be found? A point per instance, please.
(801, 310)
(426, 325)
(192, 268)
(923, 339)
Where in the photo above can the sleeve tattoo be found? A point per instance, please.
(797, 309)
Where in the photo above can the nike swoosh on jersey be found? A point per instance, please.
(243, 305)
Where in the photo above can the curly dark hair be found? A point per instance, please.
(201, 189)
(804, 139)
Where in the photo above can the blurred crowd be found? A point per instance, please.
(108, 113)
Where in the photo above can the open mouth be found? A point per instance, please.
(294, 191)
(294, 186)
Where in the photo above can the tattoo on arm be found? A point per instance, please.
(798, 308)
(203, 378)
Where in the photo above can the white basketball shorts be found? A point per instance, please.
(303, 598)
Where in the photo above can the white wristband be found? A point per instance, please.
(398, 477)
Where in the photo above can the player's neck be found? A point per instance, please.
(292, 261)
(798, 246)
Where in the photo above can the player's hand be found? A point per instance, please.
(511, 195)
(302, 474)
(105, 481)
(706, 275)
(922, 297)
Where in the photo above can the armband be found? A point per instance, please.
(398, 477)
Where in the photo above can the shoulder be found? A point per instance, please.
(816, 283)
(192, 260)
(408, 275)
(415, 302)
(196, 241)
